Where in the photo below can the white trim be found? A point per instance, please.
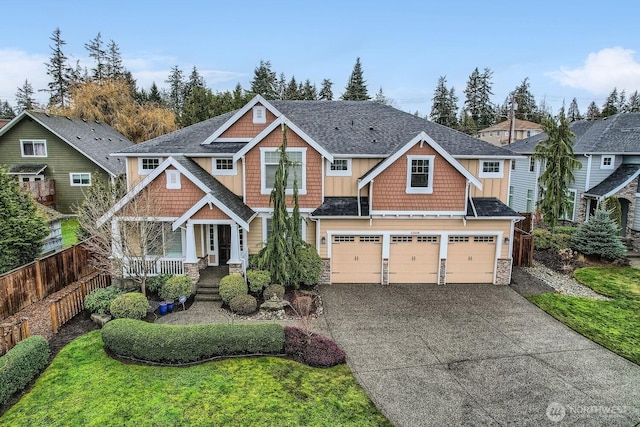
(33, 142)
(409, 189)
(573, 209)
(302, 190)
(417, 213)
(612, 157)
(488, 156)
(621, 186)
(483, 174)
(244, 180)
(71, 174)
(148, 218)
(239, 114)
(269, 210)
(346, 172)
(219, 172)
(212, 201)
(259, 114)
(173, 179)
(233, 140)
(141, 170)
(421, 137)
(587, 180)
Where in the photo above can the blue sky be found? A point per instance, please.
(567, 49)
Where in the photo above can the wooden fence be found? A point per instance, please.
(12, 333)
(67, 306)
(522, 248)
(33, 282)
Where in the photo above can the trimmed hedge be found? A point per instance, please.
(243, 304)
(99, 300)
(258, 279)
(323, 352)
(21, 364)
(270, 290)
(155, 283)
(177, 286)
(231, 286)
(132, 305)
(189, 343)
(295, 341)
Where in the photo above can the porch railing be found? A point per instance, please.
(154, 266)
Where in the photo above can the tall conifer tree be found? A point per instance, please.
(356, 89)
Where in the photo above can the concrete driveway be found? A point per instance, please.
(476, 355)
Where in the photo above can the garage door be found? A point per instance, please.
(356, 259)
(414, 259)
(471, 259)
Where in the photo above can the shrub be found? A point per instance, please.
(231, 286)
(243, 304)
(564, 230)
(176, 287)
(271, 290)
(99, 300)
(258, 279)
(132, 305)
(155, 283)
(21, 364)
(310, 265)
(188, 343)
(545, 239)
(323, 352)
(295, 340)
(599, 237)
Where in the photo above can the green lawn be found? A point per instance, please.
(613, 324)
(69, 229)
(83, 386)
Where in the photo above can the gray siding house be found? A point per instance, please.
(609, 151)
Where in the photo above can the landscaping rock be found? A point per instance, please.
(100, 319)
(274, 304)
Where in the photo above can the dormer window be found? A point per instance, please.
(420, 174)
(259, 114)
(607, 162)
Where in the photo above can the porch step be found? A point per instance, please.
(208, 292)
(207, 297)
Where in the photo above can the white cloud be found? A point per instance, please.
(15, 67)
(602, 71)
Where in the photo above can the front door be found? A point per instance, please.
(212, 245)
(224, 243)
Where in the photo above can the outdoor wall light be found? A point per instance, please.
(506, 240)
(323, 240)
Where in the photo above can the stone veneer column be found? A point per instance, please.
(235, 268)
(442, 278)
(385, 271)
(325, 276)
(192, 270)
(503, 275)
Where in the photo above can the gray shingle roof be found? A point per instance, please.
(616, 134)
(620, 176)
(489, 207)
(341, 127)
(217, 190)
(342, 206)
(96, 140)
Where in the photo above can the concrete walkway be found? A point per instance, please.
(433, 355)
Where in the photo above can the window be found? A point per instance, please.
(458, 239)
(343, 239)
(510, 201)
(484, 239)
(267, 227)
(172, 242)
(401, 239)
(513, 164)
(529, 201)
(339, 167)
(571, 199)
(80, 179)
(532, 164)
(224, 166)
(147, 164)
(607, 162)
(491, 169)
(427, 239)
(173, 179)
(420, 174)
(33, 148)
(370, 239)
(158, 239)
(297, 169)
(259, 114)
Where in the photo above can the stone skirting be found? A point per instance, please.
(503, 273)
(235, 268)
(385, 271)
(634, 236)
(442, 276)
(325, 276)
(192, 270)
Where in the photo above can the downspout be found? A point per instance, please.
(244, 181)
(370, 200)
(588, 177)
(359, 209)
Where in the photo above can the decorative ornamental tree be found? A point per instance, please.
(599, 237)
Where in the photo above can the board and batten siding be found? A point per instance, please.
(491, 187)
(522, 180)
(347, 186)
(61, 160)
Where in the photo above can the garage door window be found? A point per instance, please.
(484, 239)
(458, 239)
(343, 239)
(370, 239)
(401, 239)
(427, 239)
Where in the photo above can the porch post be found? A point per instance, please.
(235, 263)
(190, 256)
(116, 243)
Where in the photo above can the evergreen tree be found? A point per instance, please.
(114, 67)
(573, 114)
(325, 91)
(239, 97)
(444, 108)
(198, 107)
(154, 96)
(6, 112)
(503, 112)
(59, 71)
(593, 112)
(25, 99)
(557, 153)
(309, 92)
(195, 80)
(478, 98)
(356, 89)
(22, 227)
(96, 51)
(526, 103)
(610, 106)
(633, 104)
(291, 91)
(466, 123)
(175, 96)
(381, 98)
(599, 237)
(264, 81)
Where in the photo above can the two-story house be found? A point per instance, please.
(56, 157)
(386, 197)
(609, 152)
(509, 131)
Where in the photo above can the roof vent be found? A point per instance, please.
(374, 140)
(370, 127)
(337, 128)
(84, 120)
(78, 136)
(68, 117)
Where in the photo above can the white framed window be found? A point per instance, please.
(259, 114)
(513, 164)
(510, 200)
(173, 179)
(571, 198)
(491, 169)
(532, 164)
(270, 158)
(147, 164)
(529, 200)
(339, 167)
(267, 227)
(607, 162)
(80, 179)
(420, 174)
(224, 166)
(33, 147)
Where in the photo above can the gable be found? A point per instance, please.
(244, 127)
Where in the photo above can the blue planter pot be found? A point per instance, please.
(169, 306)
(163, 308)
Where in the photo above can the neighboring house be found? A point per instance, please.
(53, 241)
(386, 197)
(61, 155)
(3, 122)
(609, 151)
(498, 134)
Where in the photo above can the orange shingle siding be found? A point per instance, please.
(312, 199)
(389, 188)
(206, 213)
(245, 128)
